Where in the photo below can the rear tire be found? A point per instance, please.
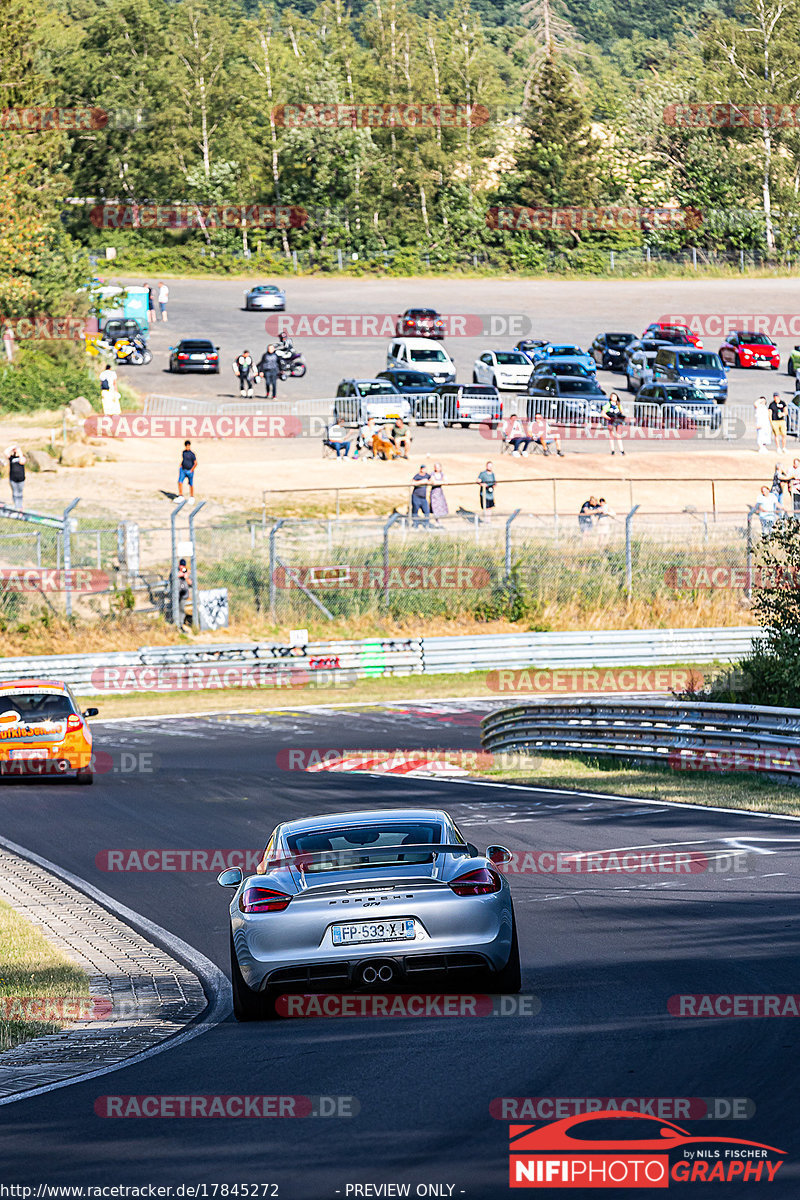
(247, 1004)
(86, 777)
(509, 979)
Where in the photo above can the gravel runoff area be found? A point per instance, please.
(153, 997)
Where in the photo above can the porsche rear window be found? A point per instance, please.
(326, 843)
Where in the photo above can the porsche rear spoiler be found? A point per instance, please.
(310, 862)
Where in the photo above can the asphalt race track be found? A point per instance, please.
(603, 953)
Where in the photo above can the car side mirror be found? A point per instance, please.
(230, 878)
(91, 712)
(498, 854)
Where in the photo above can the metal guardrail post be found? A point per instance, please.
(629, 550)
(748, 591)
(68, 557)
(272, 533)
(386, 589)
(195, 607)
(174, 561)
(511, 519)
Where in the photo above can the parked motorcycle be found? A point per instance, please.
(131, 350)
(290, 362)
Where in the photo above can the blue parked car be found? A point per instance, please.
(566, 353)
(410, 383)
(701, 369)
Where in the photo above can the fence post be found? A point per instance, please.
(174, 561)
(748, 591)
(339, 258)
(68, 556)
(512, 518)
(386, 589)
(272, 533)
(195, 606)
(629, 550)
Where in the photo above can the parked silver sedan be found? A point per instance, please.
(390, 900)
(265, 297)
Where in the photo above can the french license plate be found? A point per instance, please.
(373, 931)
(197, 357)
(29, 755)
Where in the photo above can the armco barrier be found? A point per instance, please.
(407, 656)
(683, 735)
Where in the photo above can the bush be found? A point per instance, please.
(46, 378)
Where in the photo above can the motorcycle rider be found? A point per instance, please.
(244, 367)
(269, 366)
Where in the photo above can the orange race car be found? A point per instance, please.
(43, 731)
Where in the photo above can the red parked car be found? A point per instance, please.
(664, 329)
(742, 348)
(420, 322)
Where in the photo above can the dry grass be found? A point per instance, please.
(31, 967)
(735, 790)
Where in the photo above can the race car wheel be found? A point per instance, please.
(790, 368)
(248, 1005)
(86, 776)
(509, 979)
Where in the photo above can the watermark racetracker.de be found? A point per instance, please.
(384, 325)
(728, 114)
(517, 218)
(719, 325)
(220, 676)
(188, 215)
(666, 1108)
(239, 1106)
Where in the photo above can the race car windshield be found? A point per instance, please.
(325, 845)
(698, 361)
(37, 706)
(572, 351)
(432, 355)
(510, 357)
(755, 339)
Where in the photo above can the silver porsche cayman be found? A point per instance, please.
(391, 900)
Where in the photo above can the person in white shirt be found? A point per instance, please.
(163, 300)
(109, 392)
(768, 508)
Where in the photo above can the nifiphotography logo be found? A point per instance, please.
(613, 1149)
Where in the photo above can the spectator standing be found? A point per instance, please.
(777, 420)
(186, 471)
(768, 508)
(588, 513)
(109, 391)
(794, 487)
(268, 369)
(337, 440)
(183, 591)
(163, 300)
(244, 368)
(605, 515)
(763, 425)
(419, 498)
(614, 418)
(16, 474)
(780, 480)
(438, 500)
(151, 306)
(8, 341)
(487, 479)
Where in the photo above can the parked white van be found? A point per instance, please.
(422, 354)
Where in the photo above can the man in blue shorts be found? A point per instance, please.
(188, 464)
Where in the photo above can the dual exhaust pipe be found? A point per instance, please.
(377, 973)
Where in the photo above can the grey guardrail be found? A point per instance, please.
(241, 664)
(684, 735)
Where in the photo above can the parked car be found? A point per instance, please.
(701, 369)
(503, 369)
(569, 353)
(117, 328)
(194, 354)
(460, 404)
(675, 406)
(562, 366)
(359, 399)
(531, 346)
(572, 399)
(639, 367)
(420, 355)
(420, 322)
(608, 350)
(410, 383)
(670, 332)
(793, 362)
(743, 348)
(265, 297)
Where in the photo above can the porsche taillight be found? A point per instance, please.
(477, 883)
(256, 899)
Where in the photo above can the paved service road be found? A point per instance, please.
(603, 953)
(565, 311)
